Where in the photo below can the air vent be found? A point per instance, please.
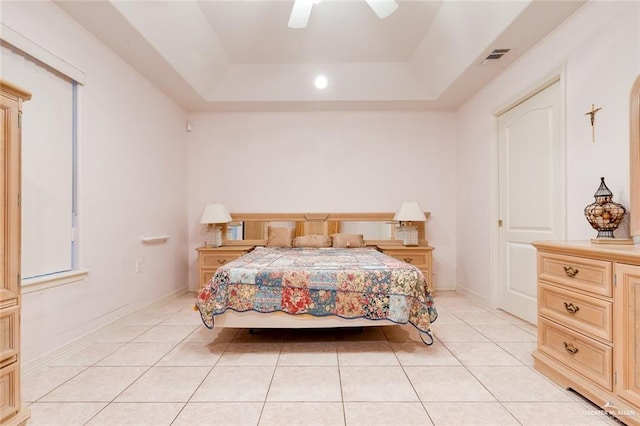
(494, 56)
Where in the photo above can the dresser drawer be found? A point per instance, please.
(590, 315)
(420, 260)
(588, 275)
(586, 356)
(215, 260)
(9, 335)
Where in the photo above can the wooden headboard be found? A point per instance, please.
(255, 225)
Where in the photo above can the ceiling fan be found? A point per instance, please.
(302, 10)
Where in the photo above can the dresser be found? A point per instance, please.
(11, 410)
(211, 258)
(418, 256)
(589, 322)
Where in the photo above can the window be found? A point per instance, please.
(48, 166)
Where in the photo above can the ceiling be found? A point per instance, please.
(239, 55)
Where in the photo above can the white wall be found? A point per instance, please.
(326, 162)
(599, 48)
(132, 180)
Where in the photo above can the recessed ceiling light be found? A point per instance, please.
(321, 82)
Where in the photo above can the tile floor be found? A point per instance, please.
(162, 367)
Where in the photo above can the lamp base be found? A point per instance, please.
(408, 234)
(214, 236)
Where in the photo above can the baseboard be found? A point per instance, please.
(42, 361)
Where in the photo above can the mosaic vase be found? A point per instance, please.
(604, 214)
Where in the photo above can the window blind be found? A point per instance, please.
(47, 163)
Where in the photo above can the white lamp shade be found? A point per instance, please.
(410, 211)
(215, 213)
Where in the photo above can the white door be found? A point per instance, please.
(530, 193)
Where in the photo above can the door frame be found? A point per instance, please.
(557, 75)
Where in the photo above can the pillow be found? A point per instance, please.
(348, 240)
(280, 237)
(314, 241)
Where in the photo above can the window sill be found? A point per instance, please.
(31, 285)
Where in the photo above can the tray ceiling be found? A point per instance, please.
(239, 55)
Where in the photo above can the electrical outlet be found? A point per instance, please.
(138, 265)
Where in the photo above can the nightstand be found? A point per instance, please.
(211, 258)
(418, 256)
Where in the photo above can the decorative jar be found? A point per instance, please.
(604, 214)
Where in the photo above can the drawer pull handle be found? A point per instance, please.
(222, 261)
(570, 348)
(571, 307)
(408, 259)
(570, 271)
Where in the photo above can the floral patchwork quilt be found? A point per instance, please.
(349, 283)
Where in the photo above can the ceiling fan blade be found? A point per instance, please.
(300, 13)
(382, 8)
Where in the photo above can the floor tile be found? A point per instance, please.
(479, 353)
(63, 413)
(95, 384)
(184, 317)
(447, 384)
(235, 384)
(401, 333)
(137, 414)
(165, 384)
(36, 385)
(519, 384)
(161, 365)
(215, 335)
(385, 413)
(166, 333)
(219, 414)
(457, 333)
(305, 384)
(505, 333)
(254, 354)
(521, 350)
(193, 354)
(479, 316)
(137, 354)
(415, 353)
(124, 333)
(366, 353)
(147, 318)
(469, 413)
(308, 353)
(89, 354)
(446, 317)
(376, 384)
(302, 413)
(554, 413)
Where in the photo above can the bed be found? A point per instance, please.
(273, 287)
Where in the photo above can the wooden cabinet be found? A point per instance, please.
(211, 258)
(419, 256)
(627, 334)
(589, 322)
(11, 410)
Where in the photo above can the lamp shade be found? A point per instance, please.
(410, 211)
(215, 213)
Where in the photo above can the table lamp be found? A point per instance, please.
(213, 214)
(410, 211)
